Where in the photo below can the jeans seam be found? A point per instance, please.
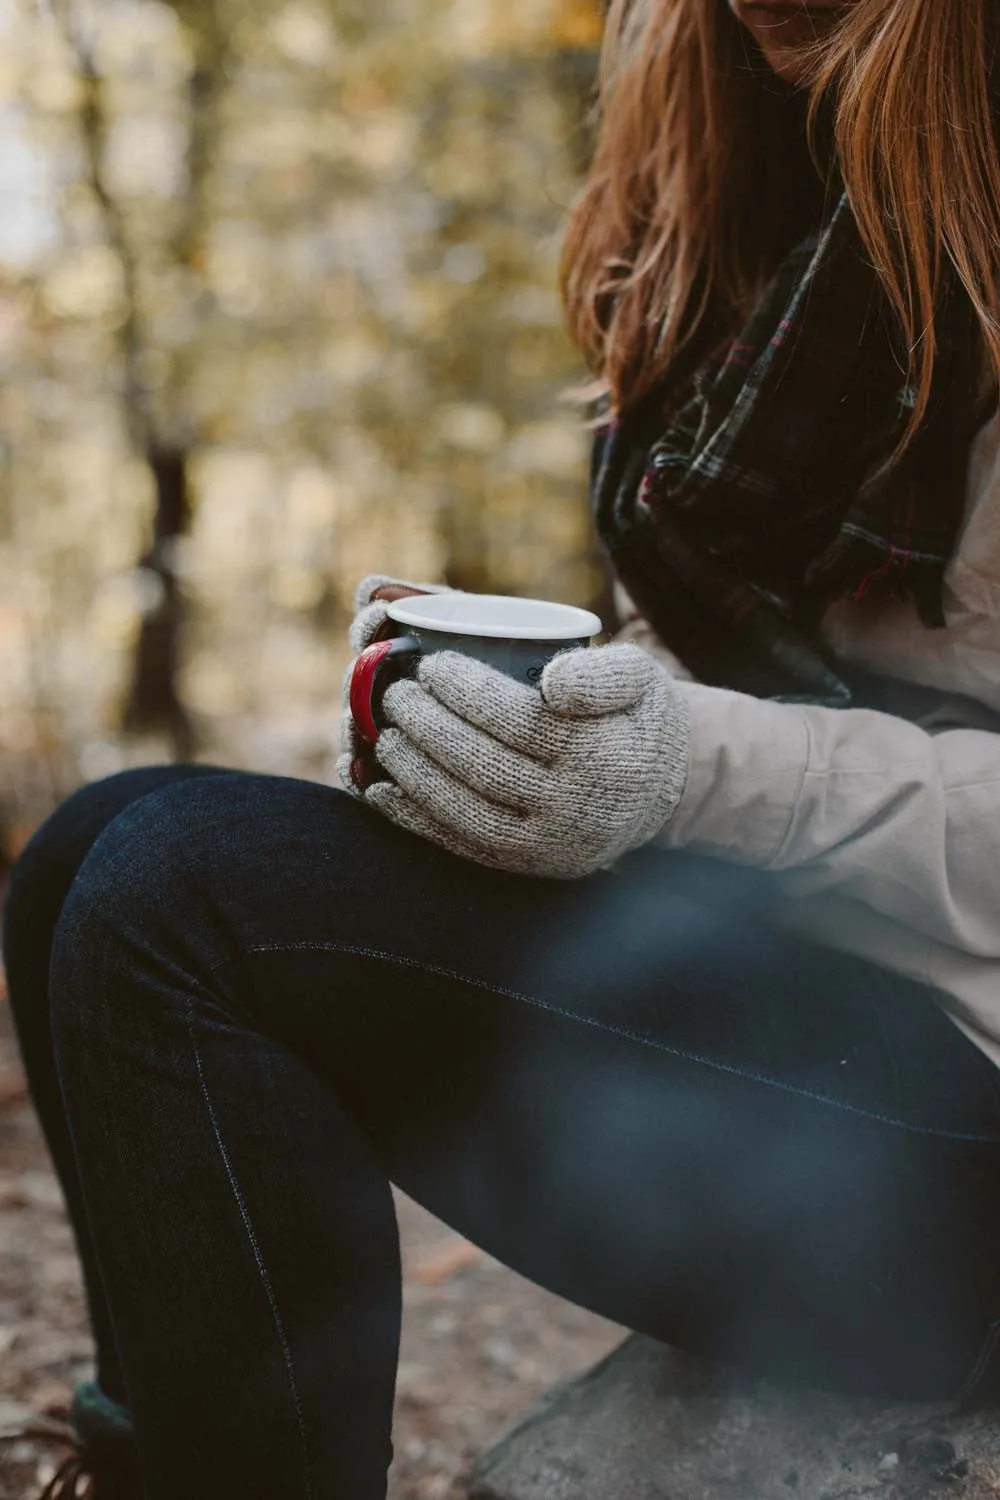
(255, 1247)
(624, 1032)
(981, 1367)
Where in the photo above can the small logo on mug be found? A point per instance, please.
(534, 673)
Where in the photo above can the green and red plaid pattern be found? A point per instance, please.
(758, 503)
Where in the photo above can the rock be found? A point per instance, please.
(652, 1423)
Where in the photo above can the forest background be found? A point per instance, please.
(278, 308)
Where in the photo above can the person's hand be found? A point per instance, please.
(356, 765)
(555, 783)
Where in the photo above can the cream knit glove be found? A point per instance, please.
(354, 762)
(557, 783)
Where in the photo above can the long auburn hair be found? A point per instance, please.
(701, 178)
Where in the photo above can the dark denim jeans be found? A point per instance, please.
(263, 1004)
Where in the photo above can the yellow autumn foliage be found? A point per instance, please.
(347, 317)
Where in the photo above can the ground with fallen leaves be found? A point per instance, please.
(480, 1344)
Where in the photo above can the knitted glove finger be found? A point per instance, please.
(498, 773)
(345, 761)
(450, 803)
(506, 710)
(365, 626)
(370, 614)
(370, 586)
(394, 804)
(357, 773)
(515, 858)
(593, 680)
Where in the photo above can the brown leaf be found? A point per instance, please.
(446, 1261)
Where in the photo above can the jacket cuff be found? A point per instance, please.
(748, 763)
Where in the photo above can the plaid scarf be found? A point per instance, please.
(759, 504)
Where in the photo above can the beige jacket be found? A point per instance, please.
(885, 833)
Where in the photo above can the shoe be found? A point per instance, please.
(75, 1478)
(103, 1462)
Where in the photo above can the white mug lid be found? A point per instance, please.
(500, 616)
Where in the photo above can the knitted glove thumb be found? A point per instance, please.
(591, 681)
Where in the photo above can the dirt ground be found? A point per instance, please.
(480, 1344)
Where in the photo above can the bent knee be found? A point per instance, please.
(47, 865)
(198, 864)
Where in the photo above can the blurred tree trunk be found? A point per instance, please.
(153, 702)
(160, 431)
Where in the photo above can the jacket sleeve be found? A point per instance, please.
(854, 802)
